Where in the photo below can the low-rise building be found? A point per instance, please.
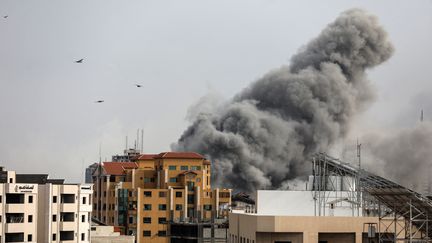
(101, 233)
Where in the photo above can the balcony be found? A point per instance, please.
(67, 198)
(68, 207)
(67, 226)
(67, 236)
(14, 237)
(16, 227)
(15, 208)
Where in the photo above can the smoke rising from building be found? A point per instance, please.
(265, 135)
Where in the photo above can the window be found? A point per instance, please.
(83, 218)
(178, 194)
(147, 207)
(147, 193)
(162, 207)
(54, 237)
(147, 220)
(191, 199)
(93, 228)
(104, 194)
(208, 207)
(82, 236)
(67, 198)
(161, 233)
(184, 167)
(30, 218)
(14, 198)
(30, 199)
(195, 167)
(148, 179)
(84, 200)
(0, 198)
(179, 207)
(173, 179)
(130, 220)
(29, 238)
(54, 218)
(54, 200)
(162, 194)
(172, 167)
(67, 217)
(14, 217)
(146, 233)
(162, 220)
(10, 180)
(67, 235)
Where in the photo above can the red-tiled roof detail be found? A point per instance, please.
(179, 155)
(146, 156)
(118, 168)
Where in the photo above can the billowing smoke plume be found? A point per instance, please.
(265, 135)
(405, 155)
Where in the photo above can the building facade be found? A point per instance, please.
(37, 209)
(143, 196)
(299, 217)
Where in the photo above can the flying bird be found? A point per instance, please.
(99, 101)
(138, 85)
(6, 16)
(80, 60)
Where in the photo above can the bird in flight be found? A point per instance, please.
(138, 85)
(80, 60)
(99, 101)
(6, 16)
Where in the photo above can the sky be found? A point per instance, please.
(179, 51)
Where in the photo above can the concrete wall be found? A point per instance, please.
(260, 228)
(302, 203)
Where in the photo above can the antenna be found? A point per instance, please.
(421, 116)
(137, 140)
(100, 152)
(359, 154)
(142, 140)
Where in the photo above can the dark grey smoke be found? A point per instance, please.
(264, 135)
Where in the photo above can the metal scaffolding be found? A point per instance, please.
(404, 214)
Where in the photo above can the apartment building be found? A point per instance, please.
(143, 195)
(37, 209)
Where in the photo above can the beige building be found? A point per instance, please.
(37, 209)
(142, 196)
(293, 217)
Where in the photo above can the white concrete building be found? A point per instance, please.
(34, 208)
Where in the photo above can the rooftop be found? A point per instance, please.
(118, 168)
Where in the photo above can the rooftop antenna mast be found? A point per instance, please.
(358, 187)
(142, 140)
(421, 116)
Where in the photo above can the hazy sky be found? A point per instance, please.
(179, 51)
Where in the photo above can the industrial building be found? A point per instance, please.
(37, 209)
(147, 194)
(341, 203)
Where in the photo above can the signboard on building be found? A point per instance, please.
(25, 188)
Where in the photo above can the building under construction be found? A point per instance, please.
(341, 203)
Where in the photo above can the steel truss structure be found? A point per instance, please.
(404, 215)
